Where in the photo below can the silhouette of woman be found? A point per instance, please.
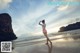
(43, 24)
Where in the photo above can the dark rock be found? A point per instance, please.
(6, 31)
(70, 27)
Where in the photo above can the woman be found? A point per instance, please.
(42, 23)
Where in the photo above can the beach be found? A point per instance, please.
(70, 46)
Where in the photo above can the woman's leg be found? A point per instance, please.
(47, 38)
(49, 45)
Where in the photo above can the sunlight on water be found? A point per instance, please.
(60, 40)
(64, 40)
(59, 36)
(67, 43)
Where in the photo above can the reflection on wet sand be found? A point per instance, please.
(66, 46)
(49, 47)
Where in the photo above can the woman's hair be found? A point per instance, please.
(43, 21)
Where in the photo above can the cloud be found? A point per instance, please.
(61, 8)
(64, 7)
(26, 18)
(4, 3)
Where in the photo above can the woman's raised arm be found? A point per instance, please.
(40, 23)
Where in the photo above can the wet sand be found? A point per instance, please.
(57, 47)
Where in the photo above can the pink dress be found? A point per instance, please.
(44, 28)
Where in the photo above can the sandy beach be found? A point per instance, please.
(57, 47)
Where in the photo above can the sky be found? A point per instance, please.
(26, 15)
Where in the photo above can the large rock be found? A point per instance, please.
(70, 27)
(6, 31)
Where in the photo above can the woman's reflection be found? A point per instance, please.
(49, 48)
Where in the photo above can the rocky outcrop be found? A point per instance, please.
(70, 27)
(6, 31)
